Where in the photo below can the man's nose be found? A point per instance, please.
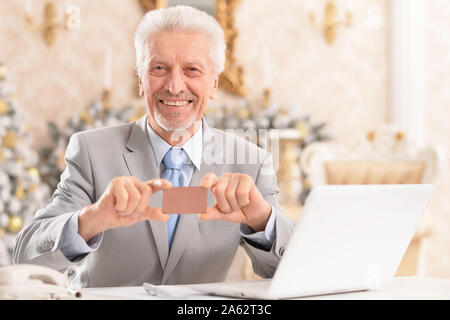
(176, 83)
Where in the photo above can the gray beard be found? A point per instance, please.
(163, 123)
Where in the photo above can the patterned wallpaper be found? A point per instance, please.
(55, 83)
(438, 132)
(344, 84)
(348, 78)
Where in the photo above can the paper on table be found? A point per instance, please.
(171, 291)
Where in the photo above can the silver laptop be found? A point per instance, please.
(348, 238)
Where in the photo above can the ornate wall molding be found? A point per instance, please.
(148, 5)
(231, 80)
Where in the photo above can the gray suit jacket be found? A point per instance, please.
(202, 251)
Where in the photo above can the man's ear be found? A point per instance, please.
(215, 86)
(141, 88)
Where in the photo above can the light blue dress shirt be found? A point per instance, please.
(75, 248)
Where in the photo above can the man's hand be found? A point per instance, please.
(124, 202)
(237, 200)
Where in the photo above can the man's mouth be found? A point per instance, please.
(176, 103)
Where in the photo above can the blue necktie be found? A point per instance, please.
(173, 161)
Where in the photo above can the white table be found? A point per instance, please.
(400, 288)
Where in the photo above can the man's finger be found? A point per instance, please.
(146, 193)
(243, 191)
(120, 195)
(212, 213)
(158, 184)
(219, 193)
(230, 192)
(209, 180)
(133, 199)
(152, 213)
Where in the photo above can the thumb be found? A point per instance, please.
(212, 213)
(209, 180)
(158, 184)
(152, 213)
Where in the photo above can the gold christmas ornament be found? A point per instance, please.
(86, 118)
(60, 160)
(138, 114)
(2, 232)
(282, 111)
(15, 224)
(32, 188)
(132, 119)
(3, 107)
(106, 99)
(9, 139)
(399, 136)
(302, 128)
(33, 172)
(267, 97)
(2, 156)
(20, 193)
(244, 114)
(306, 184)
(3, 71)
(370, 135)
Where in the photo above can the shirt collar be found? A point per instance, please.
(193, 147)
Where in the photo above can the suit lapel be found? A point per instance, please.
(188, 223)
(141, 163)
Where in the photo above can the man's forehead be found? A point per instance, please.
(156, 58)
(193, 48)
(175, 38)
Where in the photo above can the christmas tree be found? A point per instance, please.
(22, 192)
(98, 114)
(271, 117)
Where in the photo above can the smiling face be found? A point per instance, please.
(179, 80)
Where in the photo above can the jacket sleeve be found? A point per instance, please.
(265, 262)
(39, 242)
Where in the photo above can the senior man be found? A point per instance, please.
(105, 224)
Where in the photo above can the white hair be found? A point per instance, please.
(181, 19)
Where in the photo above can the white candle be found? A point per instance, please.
(108, 60)
(27, 7)
(66, 8)
(267, 79)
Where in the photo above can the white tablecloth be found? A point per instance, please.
(404, 288)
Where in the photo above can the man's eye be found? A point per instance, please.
(193, 71)
(158, 70)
